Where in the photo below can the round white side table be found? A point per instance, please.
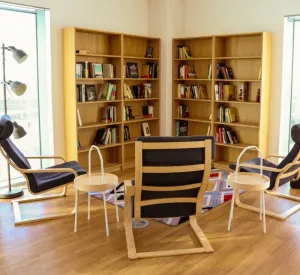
(248, 181)
(95, 182)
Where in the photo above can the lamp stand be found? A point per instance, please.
(8, 193)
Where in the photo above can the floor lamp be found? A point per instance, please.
(19, 89)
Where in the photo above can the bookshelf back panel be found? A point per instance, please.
(201, 67)
(242, 68)
(93, 113)
(238, 46)
(228, 154)
(98, 43)
(199, 47)
(245, 113)
(195, 128)
(137, 46)
(244, 135)
(197, 110)
(129, 152)
(110, 155)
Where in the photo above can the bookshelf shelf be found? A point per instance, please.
(248, 56)
(141, 99)
(98, 102)
(141, 58)
(87, 148)
(106, 48)
(98, 55)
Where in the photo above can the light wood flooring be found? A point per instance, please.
(53, 248)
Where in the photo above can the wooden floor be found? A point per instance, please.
(52, 248)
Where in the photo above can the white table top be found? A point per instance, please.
(249, 181)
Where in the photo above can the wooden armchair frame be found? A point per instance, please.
(283, 173)
(16, 203)
(135, 191)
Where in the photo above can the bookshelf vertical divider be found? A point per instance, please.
(248, 55)
(117, 49)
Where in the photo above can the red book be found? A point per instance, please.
(220, 135)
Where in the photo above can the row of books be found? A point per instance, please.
(137, 91)
(227, 114)
(192, 91)
(149, 70)
(126, 133)
(147, 112)
(106, 91)
(188, 72)
(183, 110)
(225, 91)
(183, 52)
(104, 136)
(181, 128)
(94, 70)
(109, 114)
(224, 72)
(226, 135)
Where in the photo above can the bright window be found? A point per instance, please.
(27, 29)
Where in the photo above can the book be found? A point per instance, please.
(97, 70)
(183, 110)
(79, 118)
(132, 70)
(79, 70)
(126, 133)
(145, 71)
(242, 91)
(109, 114)
(149, 52)
(226, 135)
(208, 131)
(147, 111)
(210, 71)
(108, 70)
(91, 94)
(146, 129)
(183, 52)
(203, 92)
(183, 128)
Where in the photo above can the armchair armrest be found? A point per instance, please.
(52, 170)
(128, 188)
(46, 157)
(249, 165)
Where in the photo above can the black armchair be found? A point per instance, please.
(288, 170)
(171, 176)
(38, 180)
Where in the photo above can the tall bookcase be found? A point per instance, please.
(248, 55)
(106, 48)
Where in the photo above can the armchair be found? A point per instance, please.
(288, 170)
(171, 176)
(38, 180)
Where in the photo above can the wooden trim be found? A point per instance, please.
(168, 200)
(263, 167)
(129, 189)
(46, 157)
(167, 253)
(138, 179)
(172, 145)
(50, 170)
(172, 169)
(171, 188)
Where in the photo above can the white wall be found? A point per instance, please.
(130, 16)
(208, 17)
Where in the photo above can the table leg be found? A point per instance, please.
(105, 213)
(76, 209)
(116, 204)
(89, 206)
(264, 210)
(231, 209)
(260, 204)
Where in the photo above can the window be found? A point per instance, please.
(290, 103)
(27, 29)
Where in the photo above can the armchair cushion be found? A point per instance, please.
(46, 181)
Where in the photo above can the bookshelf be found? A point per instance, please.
(117, 49)
(246, 54)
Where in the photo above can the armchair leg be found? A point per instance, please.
(17, 213)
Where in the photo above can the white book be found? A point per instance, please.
(83, 93)
(150, 110)
(79, 118)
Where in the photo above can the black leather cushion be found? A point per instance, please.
(6, 127)
(295, 133)
(46, 181)
(172, 157)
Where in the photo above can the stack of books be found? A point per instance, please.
(181, 128)
(227, 114)
(106, 136)
(186, 72)
(109, 114)
(126, 133)
(127, 113)
(183, 52)
(147, 111)
(150, 70)
(192, 91)
(226, 135)
(107, 91)
(224, 91)
(94, 70)
(224, 72)
(138, 91)
(183, 111)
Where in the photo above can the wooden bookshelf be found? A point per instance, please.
(117, 49)
(245, 54)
